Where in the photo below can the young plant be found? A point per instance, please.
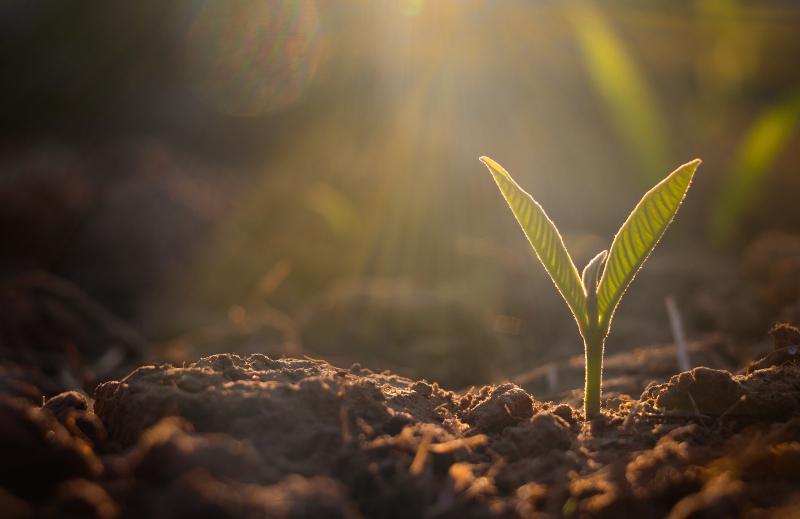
(593, 296)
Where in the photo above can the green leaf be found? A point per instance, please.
(545, 240)
(638, 236)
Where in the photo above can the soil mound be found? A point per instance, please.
(253, 436)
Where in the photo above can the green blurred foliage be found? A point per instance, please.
(623, 89)
(761, 146)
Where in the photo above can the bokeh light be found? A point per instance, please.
(251, 57)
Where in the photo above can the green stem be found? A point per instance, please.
(593, 349)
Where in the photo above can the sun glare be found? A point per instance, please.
(250, 58)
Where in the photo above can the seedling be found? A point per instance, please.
(593, 296)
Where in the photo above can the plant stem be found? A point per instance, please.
(593, 349)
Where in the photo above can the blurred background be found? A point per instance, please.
(301, 177)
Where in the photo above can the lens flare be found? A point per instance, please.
(253, 57)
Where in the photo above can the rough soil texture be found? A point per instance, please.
(253, 436)
(54, 337)
(628, 373)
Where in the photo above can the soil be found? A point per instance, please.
(54, 337)
(253, 436)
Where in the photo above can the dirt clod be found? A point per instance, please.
(786, 348)
(720, 497)
(61, 404)
(785, 335)
(38, 452)
(699, 391)
(198, 494)
(506, 405)
(542, 434)
(82, 499)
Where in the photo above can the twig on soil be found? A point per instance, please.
(678, 333)
(421, 457)
(108, 362)
(694, 404)
(552, 378)
(734, 406)
(425, 447)
(273, 278)
(675, 417)
(461, 443)
(345, 426)
(364, 427)
(629, 419)
(68, 380)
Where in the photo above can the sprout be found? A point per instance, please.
(593, 296)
